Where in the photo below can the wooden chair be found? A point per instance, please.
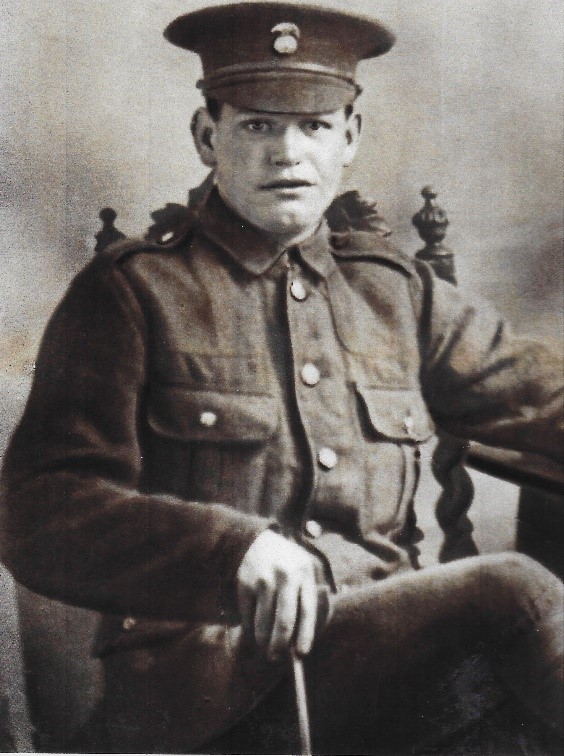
(16, 732)
(540, 525)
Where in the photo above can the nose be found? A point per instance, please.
(286, 148)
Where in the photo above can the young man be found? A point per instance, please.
(220, 449)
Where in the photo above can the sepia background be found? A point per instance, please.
(96, 109)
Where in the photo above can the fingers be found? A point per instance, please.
(285, 617)
(277, 594)
(247, 609)
(282, 615)
(308, 607)
(264, 613)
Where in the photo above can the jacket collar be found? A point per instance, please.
(254, 251)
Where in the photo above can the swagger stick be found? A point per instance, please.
(301, 703)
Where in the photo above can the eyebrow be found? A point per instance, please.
(259, 114)
(256, 117)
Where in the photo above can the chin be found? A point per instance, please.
(292, 223)
(287, 229)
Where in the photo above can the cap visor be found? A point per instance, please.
(279, 93)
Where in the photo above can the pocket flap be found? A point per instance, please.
(185, 414)
(399, 414)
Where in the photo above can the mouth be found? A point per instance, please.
(285, 184)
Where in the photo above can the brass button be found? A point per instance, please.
(286, 45)
(167, 237)
(208, 419)
(129, 623)
(313, 529)
(298, 290)
(327, 458)
(287, 36)
(310, 374)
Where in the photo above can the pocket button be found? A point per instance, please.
(313, 529)
(208, 419)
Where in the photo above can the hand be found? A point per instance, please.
(277, 594)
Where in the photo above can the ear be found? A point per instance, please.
(352, 135)
(203, 132)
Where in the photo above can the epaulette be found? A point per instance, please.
(366, 245)
(168, 237)
(124, 247)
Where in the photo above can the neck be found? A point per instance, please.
(292, 239)
(282, 240)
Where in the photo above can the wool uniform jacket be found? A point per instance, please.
(194, 390)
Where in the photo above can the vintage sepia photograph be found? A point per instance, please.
(281, 377)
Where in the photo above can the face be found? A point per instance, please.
(281, 171)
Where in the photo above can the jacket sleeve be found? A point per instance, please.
(74, 523)
(482, 382)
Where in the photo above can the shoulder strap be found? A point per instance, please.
(366, 245)
(169, 236)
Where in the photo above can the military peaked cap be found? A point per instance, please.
(280, 57)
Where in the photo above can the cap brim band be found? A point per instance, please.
(281, 92)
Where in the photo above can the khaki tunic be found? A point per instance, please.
(192, 393)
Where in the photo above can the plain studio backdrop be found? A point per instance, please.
(96, 110)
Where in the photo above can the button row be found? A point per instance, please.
(311, 376)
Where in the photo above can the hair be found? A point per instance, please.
(214, 109)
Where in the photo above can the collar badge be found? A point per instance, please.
(286, 40)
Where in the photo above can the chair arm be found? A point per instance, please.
(522, 468)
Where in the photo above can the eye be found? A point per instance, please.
(316, 125)
(257, 126)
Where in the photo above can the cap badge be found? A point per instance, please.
(286, 40)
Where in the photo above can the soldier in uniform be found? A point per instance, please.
(220, 448)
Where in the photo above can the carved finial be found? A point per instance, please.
(431, 223)
(108, 234)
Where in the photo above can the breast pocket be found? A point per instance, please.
(211, 445)
(394, 423)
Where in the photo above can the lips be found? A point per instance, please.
(286, 184)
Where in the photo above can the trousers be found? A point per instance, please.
(402, 661)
